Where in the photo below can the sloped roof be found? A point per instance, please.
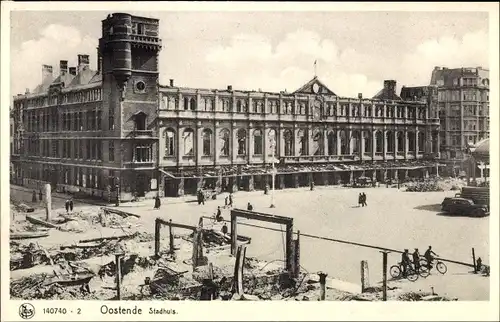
(44, 86)
(308, 88)
(481, 150)
(384, 94)
(83, 77)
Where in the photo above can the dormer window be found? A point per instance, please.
(140, 121)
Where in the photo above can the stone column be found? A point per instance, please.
(325, 142)
(216, 145)
(199, 183)
(351, 177)
(385, 175)
(265, 144)
(180, 187)
(406, 144)
(296, 182)
(309, 140)
(416, 143)
(234, 143)
(362, 144)
(280, 179)
(384, 144)
(396, 174)
(198, 143)
(349, 142)
(374, 144)
(250, 183)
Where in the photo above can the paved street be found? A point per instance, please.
(393, 219)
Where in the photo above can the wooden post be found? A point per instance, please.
(157, 237)
(384, 275)
(474, 261)
(118, 275)
(234, 235)
(296, 255)
(48, 203)
(289, 248)
(364, 276)
(171, 237)
(322, 285)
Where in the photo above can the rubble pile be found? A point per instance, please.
(435, 184)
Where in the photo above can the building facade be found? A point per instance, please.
(91, 131)
(116, 132)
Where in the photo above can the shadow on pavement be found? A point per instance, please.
(434, 207)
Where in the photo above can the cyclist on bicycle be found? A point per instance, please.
(429, 256)
(416, 258)
(405, 261)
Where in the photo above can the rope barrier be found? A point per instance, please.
(348, 242)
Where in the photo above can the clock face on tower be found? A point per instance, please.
(315, 88)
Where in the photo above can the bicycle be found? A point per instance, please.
(440, 266)
(396, 272)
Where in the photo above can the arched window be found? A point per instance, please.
(224, 142)
(368, 141)
(344, 143)
(257, 142)
(242, 141)
(302, 139)
(186, 103)
(288, 136)
(390, 141)
(411, 141)
(169, 136)
(379, 142)
(139, 120)
(272, 143)
(192, 104)
(421, 141)
(400, 141)
(355, 137)
(188, 139)
(207, 142)
(332, 143)
(317, 142)
(435, 139)
(378, 111)
(367, 110)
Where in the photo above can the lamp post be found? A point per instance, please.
(273, 173)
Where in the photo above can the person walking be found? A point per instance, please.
(33, 196)
(360, 199)
(226, 202)
(66, 205)
(40, 195)
(71, 204)
(364, 200)
(157, 202)
(230, 200)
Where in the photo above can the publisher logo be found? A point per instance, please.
(26, 311)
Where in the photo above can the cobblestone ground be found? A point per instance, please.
(392, 219)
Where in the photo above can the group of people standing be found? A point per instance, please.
(362, 200)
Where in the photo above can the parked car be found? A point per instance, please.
(363, 182)
(466, 207)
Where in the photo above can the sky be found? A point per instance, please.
(271, 51)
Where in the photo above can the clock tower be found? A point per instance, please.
(128, 60)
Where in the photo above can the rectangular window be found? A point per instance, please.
(87, 147)
(142, 154)
(111, 151)
(111, 120)
(99, 122)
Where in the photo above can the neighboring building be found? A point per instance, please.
(86, 130)
(463, 104)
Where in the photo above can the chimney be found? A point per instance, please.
(390, 87)
(360, 95)
(171, 82)
(46, 72)
(229, 87)
(63, 67)
(72, 71)
(83, 62)
(27, 91)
